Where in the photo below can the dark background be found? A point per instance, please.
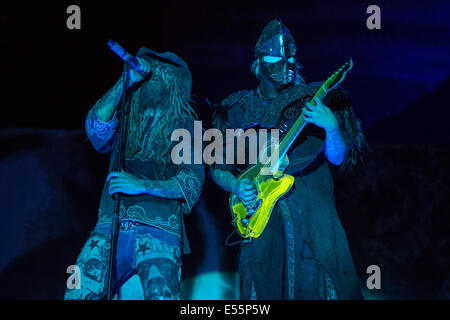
(394, 209)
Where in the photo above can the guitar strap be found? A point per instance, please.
(287, 117)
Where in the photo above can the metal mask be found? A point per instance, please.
(276, 52)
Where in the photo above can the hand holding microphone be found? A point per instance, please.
(134, 76)
(140, 68)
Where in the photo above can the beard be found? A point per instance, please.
(144, 121)
(155, 111)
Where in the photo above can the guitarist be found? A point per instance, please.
(303, 252)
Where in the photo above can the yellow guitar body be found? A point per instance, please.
(270, 190)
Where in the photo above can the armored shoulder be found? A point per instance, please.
(220, 118)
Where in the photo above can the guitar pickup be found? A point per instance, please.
(251, 212)
(283, 128)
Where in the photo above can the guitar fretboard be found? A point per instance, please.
(300, 123)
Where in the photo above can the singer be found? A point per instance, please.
(155, 192)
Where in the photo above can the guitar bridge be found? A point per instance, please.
(251, 212)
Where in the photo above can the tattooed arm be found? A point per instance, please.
(169, 189)
(106, 105)
(244, 188)
(101, 120)
(185, 185)
(126, 183)
(224, 179)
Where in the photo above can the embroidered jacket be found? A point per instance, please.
(166, 214)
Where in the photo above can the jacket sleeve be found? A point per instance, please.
(101, 134)
(225, 117)
(190, 176)
(350, 126)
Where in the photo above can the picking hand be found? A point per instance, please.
(245, 190)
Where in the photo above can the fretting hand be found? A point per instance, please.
(320, 115)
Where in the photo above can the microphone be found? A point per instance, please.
(127, 57)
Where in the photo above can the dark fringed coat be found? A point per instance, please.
(303, 252)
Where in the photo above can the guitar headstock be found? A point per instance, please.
(339, 76)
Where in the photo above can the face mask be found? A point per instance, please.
(278, 62)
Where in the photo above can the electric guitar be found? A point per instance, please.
(270, 182)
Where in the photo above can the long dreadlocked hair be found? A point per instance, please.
(178, 110)
(353, 127)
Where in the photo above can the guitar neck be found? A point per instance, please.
(298, 126)
(295, 130)
(300, 123)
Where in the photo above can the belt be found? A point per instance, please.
(125, 225)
